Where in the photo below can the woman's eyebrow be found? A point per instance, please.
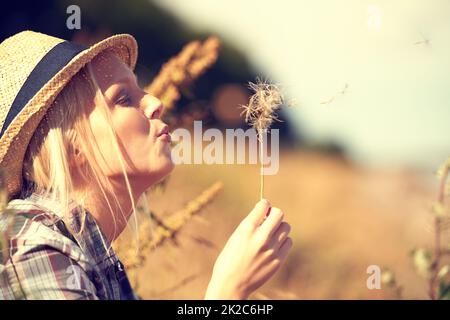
(117, 89)
(128, 79)
(118, 86)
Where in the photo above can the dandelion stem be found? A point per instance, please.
(261, 145)
(262, 186)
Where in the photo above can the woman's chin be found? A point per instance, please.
(165, 166)
(147, 179)
(169, 165)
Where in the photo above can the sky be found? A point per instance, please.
(371, 75)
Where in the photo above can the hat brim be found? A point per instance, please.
(16, 138)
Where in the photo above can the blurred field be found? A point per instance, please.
(344, 218)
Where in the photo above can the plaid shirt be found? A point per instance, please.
(46, 261)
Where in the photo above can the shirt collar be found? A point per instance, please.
(82, 226)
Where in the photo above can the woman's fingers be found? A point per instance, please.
(258, 214)
(252, 254)
(278, 258)
(280, 235)
(285, 246)
(269, 226)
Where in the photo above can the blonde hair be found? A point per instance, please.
(65, 131)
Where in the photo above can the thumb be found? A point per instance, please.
(259, 213)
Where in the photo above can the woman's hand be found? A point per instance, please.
(252, 255)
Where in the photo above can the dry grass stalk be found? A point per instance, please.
(185, 281)
(432, 264)
(441, 213)
(180, 71)
(165, 229)
(261, 112)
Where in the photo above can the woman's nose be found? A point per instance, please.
(152, 107)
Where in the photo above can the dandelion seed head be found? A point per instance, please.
(260, 112)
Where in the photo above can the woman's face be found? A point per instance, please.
(143, 138)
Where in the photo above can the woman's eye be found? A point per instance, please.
(124, 100)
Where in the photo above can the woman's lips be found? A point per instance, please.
(164, 134)
(165, 137)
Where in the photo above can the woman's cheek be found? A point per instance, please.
(132, 120)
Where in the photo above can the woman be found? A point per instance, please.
(80, 143)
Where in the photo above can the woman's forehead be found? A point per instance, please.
(109, 69)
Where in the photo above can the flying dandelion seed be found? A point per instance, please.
(425, 41)
(344, 90)
(260, 113)
(328, 101)
(334, 97)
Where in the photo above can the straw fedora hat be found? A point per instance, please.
(34, 68)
